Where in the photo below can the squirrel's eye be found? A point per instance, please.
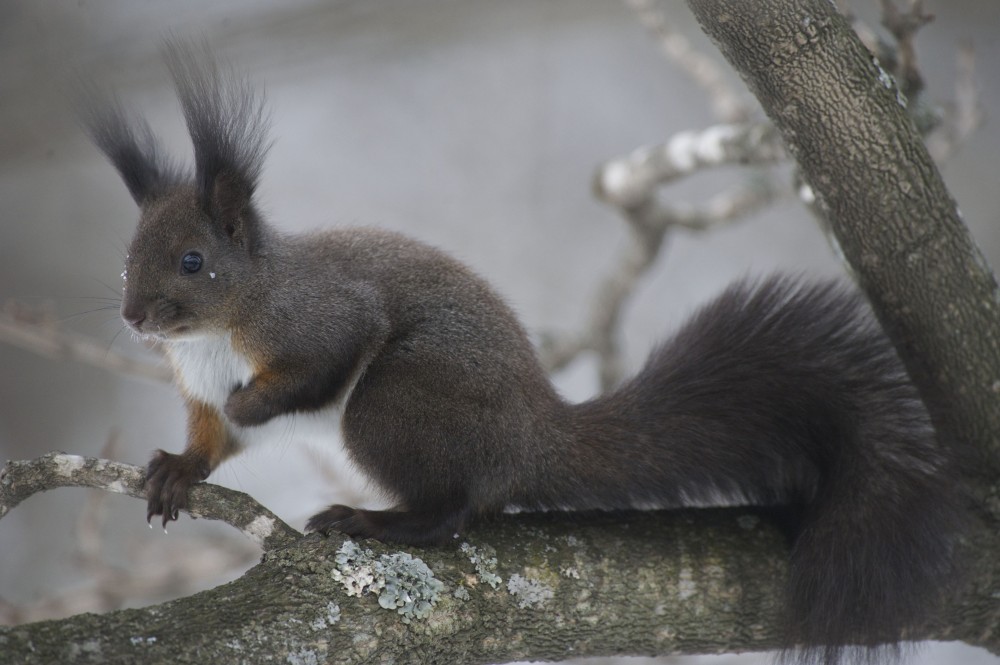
(190, 263)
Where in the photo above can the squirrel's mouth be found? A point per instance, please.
(149, 334)
(155, 326)
(158, 333)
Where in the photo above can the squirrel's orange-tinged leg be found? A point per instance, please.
(290, 389)
(169, 476)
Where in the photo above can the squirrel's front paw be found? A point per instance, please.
(168, 478)
(244, 408)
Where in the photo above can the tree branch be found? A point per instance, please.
(21, 479)
(727, 103)
(964, 115)
(631, 184)
(522, 587)
(22, 329)
(889, 210)
(155, 567)
(632, 180)
(904, 26)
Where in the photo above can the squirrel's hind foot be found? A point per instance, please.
(397, 526)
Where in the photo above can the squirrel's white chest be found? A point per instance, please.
(209, 368)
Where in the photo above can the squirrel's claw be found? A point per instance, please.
(168, 479)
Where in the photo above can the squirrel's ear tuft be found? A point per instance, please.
(129, 143)
(228, 123)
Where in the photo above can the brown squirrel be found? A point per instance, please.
(777, 393)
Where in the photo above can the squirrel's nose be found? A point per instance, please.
(134, 317)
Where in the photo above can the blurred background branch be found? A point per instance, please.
(632, 183)
(36, 330)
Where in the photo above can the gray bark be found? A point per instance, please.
(700, 581)
(845, 123)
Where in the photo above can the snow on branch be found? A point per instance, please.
(631, 180)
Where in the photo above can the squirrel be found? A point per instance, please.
(780, 392)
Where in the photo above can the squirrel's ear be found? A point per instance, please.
(129, 143)
(228, 123)
(228, 203)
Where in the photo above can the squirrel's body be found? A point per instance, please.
(777, 393)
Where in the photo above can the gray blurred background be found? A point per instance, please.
(470, 124)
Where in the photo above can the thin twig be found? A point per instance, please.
(904, 25)
(21, 479)
(633, 179)
(727, 104)
(650, 223)
(964, 116)
(631, 184)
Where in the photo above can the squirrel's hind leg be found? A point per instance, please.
(410, 527)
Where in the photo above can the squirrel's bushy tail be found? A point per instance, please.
(869, 560)
(780, 393)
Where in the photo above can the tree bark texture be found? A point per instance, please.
(562, 588)
(844, 121)
(701, 581)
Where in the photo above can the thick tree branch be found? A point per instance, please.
(843, 120)
(523, 587)
(21, 479)
(631, 183)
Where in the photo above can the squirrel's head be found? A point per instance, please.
(199, 237)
